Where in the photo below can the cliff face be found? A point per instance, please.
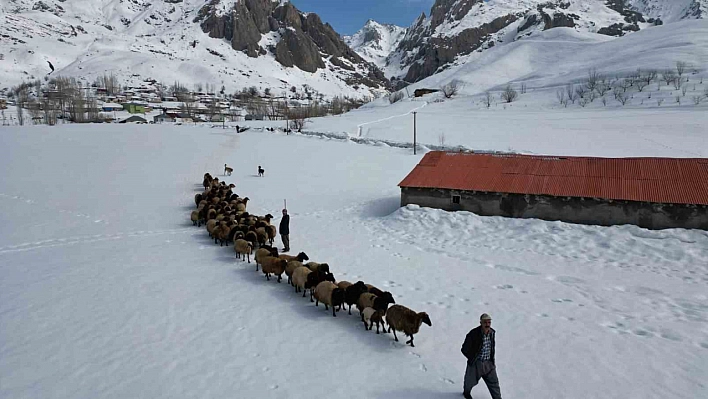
(301, 40)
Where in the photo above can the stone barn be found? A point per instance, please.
(655, 193)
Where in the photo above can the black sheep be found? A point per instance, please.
(353, 292)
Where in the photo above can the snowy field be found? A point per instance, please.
(107, 290)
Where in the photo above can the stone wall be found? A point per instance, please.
(593, 211)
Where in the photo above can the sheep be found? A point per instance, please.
(369, 300)
(241, 206)
(272, 265)
(272, 233)
(263, 252)
(241, 247)
(290, 268)
(252, 237)
(315, 278)
(372, 316)
(211, 225)
(403, 319)
(300, 278)
(374, 290)
(328, 293)
(314, 266)
(301, 257)
(221, 233)
(353, 292)
(228, 170)
(344, 284)
(198, 198)
(196, 220)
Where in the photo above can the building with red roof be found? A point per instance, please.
(654, 193)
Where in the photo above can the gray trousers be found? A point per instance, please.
(286, 240)
(482, 369)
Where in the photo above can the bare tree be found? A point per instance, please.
(593, 79)
(523, 88)
(560, 95)
(602, 88)
(621, 95)
(395, 97)
(641, 84)
(678, 83)
(20, 114)
(570, 92)
(451, 88)
(668, 76)
(681, 68)
(626, 83)
(580, 90)
(509, 94)
(649, 76)
(488, 99)
(697, 99)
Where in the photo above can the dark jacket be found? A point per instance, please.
(473, 344)
(285, 225)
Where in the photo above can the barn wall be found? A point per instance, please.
(568, 209)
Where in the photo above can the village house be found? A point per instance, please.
(654, 193)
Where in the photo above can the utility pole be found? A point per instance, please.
(414, 133)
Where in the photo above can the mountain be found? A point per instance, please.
(374, 42)
(234, 43)
(456, 28)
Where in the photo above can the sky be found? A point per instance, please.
(348, 16)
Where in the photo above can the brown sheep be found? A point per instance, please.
(272, 265)
(242, 247)
(300, 257)
(403, 319)
(290, 268)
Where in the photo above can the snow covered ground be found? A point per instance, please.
(107, 290)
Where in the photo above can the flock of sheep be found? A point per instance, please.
(227, 221)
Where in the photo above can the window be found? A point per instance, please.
(455, 199)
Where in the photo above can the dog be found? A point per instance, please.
(228, 170)
(261, 171)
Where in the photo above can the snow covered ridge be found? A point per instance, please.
(375, 41)
(160, 40)
(458, 28)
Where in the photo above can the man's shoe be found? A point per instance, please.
(285, 250)
(466, 395)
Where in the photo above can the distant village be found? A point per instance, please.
(66, 100)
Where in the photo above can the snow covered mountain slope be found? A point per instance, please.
(170, 41)
(457, 28)
(673, 10)
(374, 42)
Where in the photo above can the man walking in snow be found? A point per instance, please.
(285, 230)
(478, 348)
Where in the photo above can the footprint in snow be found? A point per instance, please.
(447, 380)
(504, 287)
(423, 368)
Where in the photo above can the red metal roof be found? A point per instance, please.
(663, 180)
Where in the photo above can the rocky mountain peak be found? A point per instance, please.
(260, 27)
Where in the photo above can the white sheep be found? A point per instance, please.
(328, 293)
